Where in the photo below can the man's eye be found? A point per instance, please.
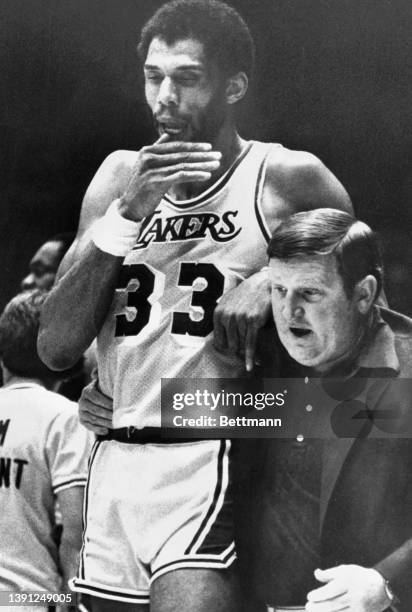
(153, 78)
(186, 80)
(280, 290)
(311, 293)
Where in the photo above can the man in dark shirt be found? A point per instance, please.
(335, 498)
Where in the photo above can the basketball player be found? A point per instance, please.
(164, 233)
(43, 457)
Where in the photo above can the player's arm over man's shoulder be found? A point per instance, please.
(294, 181)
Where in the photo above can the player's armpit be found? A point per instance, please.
(240, 314)
(95, 409)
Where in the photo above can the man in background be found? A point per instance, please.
(43, 458)
(45, 262)
(43, 268)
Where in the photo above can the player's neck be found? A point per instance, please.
(230, 145)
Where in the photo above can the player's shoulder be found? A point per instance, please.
(120, 161)
(302, 181)
(290, 164)
(108, 183)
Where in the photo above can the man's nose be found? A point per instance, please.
(28, 282)
(167, 94)
(292, 308)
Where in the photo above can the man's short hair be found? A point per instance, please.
(326, 231)
(19, 326)
(219, 27)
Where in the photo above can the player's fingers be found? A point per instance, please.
(232, 335)
(163, 138)
(185, 177)
(250, 347)
(96, 429)
(92, 394)
(242, 327)
(176, 146)
(97, 419)
(154, 160)
(89, 405)
(97, 409)
(167, 171)
(219, 332)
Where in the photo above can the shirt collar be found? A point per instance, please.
(29, 384)
(378, 350)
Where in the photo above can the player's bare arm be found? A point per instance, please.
(295, 181)
(71, 504)
(76, 308)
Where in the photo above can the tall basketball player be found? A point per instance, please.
(164, 233)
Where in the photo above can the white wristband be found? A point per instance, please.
(113, 233)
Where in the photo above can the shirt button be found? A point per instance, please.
(300, 438)
(306, 380)
(309, 408)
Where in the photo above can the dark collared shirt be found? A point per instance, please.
(289, 542)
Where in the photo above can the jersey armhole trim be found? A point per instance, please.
(259, 193)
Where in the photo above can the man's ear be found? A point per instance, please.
(365, 293)
(236, 87)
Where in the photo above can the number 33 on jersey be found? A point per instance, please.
(187, 255)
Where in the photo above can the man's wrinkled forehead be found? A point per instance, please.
(319, 269)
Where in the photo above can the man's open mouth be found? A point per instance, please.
(300, 332)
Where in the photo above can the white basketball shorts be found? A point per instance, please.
(151, 509)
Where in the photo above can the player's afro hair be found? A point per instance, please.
(219, 27)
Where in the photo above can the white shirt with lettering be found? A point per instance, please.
(43, 449)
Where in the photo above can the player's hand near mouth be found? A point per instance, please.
(161, 165)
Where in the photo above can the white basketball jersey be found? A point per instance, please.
(188, 253)
(43, 450)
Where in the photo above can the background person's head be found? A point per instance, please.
(198, 56)
(326, 274)
(45, 262)
(19, 326)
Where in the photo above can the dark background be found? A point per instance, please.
(333, 77)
